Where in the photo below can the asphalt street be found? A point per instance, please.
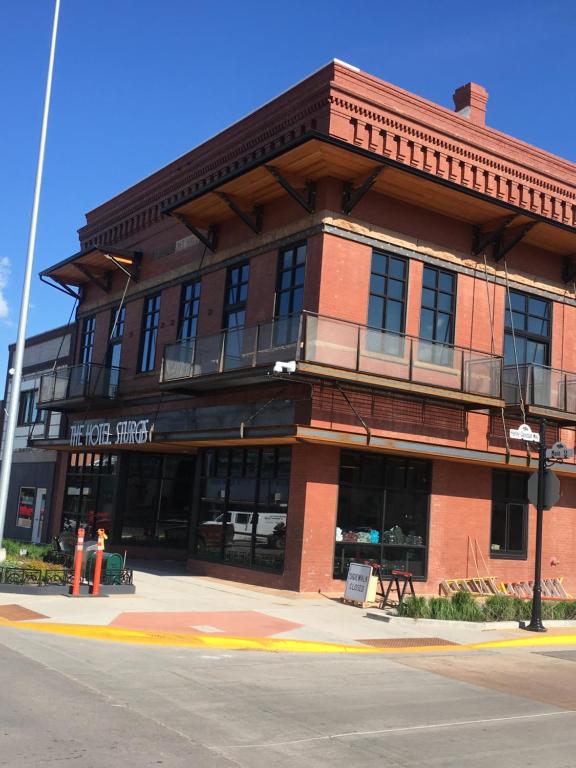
(67, 701)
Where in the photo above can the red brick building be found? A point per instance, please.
(331, 314)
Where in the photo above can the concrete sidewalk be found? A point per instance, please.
(169, 601)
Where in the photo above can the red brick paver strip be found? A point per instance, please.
(233, 623)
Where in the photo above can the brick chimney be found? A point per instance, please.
(470, 102)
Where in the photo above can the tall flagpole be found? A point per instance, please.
(21, 340)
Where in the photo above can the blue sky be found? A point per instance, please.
(139, 82)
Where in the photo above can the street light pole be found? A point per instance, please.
(5, 471)
(536, 619)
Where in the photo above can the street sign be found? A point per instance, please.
(551, 489)
(559, 451)
(524, 432)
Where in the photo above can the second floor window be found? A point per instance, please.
(387, 304)
(290, 292)
(438, 306)
(189, 306)
(28, 412)
(87, 340)
(150, 323)
(529, 326)
(236, 296)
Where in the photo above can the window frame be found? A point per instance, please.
(506, 554)
(384, 296)
(192, 302)
(293, 286)
(28, 411)
(436, 311)
(527, 335)
(230, 308)
(147, 352)
(87, 340)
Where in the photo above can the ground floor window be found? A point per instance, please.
(383, 513)
(509, 529)
(89, 498)
(157, 501)
(243, 507)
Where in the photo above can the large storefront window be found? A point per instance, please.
(158, 499)
(90, 494)
(382, 513)
(243, 506)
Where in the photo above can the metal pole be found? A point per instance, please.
(21, 340)
(536, 619)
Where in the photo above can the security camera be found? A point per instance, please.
(11, 372)
(280, 367)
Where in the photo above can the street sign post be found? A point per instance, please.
(536, 618)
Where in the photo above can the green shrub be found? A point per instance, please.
(415, 608)
(466, 608)
(499, 608)
(442, 608)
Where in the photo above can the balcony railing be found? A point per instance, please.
(77, 383)
(540, 386)
(323, 341)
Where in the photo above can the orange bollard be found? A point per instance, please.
(98, 563)
(78, 563)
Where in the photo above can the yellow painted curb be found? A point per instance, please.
(184, 640)
(271, 644)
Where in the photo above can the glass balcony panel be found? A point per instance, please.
(207, 354)
(384, 353)
(278, 340)
(179, 360)
(437, 365)
(482, 374)
(239, 348)
(77, 382)
(570, 392)
(331, 342)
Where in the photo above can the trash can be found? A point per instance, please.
(111, 568)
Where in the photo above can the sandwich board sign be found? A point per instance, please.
(524, 432)
(358, 582)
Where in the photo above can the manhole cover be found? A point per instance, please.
(407, 642)
(19, 613)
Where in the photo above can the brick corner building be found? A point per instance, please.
(305, 341)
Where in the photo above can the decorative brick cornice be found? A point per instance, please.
(368, 113)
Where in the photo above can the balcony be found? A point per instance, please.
(545, 391)
(335, 349)
(76, 386)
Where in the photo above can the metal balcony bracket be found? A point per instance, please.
(351, 197)
(503, 246)
(308, 202)
(482, 238)
(252, 220)
(569, 269)
(60, 286)
(355, 412)
(210, 239)
(103, 284)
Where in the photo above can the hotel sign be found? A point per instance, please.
(99, 434)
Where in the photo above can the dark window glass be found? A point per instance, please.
(115, 349)
(382, 512)
(189, 307)
(438, 306)
(90, 494)
(87, 340)
(509, 529)
(529, 323)
(28, 412)
(117, 326)
(236, 296)
(243, 507)
(387, 303)
(150, 324)
(289, 294)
